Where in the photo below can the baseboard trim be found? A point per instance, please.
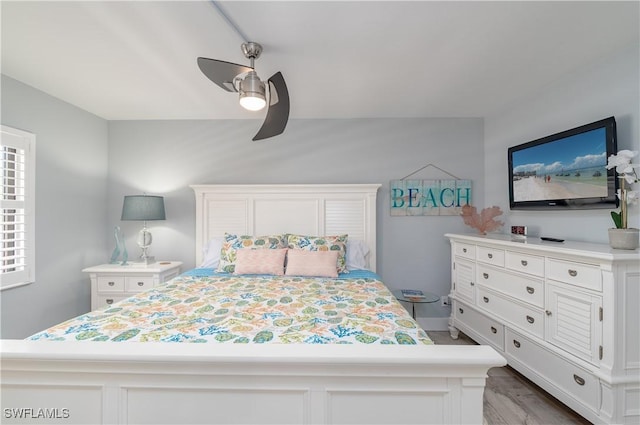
(433, 323)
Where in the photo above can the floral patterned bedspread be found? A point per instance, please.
(251, 309)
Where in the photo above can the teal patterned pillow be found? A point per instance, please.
(322, 243)
(232, 243)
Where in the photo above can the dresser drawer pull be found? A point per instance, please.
(472, 284)
(524, 263)
(579, 380)
(485, 275)
(548, 312)
(464, 250)
(140, 283)
(109, 301)
(516, 343)
(530, 319)
(490, 255)
(111, 283)
(461, 311)
(485, 299)
(494, 330)
(530, 290)
(573, 273)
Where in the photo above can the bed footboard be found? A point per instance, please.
(162, 383)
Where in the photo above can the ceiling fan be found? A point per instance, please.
(254, 93)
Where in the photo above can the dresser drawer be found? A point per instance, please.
(524, 288)
(465, 250)
(579, 274)
(488, 328)
(491, 256)
(525, 263)
(528, 318)
(110, 283)
(138, 283)
(574, 380)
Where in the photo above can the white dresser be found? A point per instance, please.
(112, 282)
(565, 315)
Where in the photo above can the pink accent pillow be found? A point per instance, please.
(260, 261)
(312, 263)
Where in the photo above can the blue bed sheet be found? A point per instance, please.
(353, 274)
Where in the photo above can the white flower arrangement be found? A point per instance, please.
(627, 174)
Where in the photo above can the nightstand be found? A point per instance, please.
(112, 282)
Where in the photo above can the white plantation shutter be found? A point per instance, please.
(17, 219)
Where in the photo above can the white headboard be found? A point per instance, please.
(309, 209)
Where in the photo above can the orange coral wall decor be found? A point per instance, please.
(483, 222)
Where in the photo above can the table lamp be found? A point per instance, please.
(143, 208)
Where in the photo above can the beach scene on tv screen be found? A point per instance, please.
(569, 168)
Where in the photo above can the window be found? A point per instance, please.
(17, 204)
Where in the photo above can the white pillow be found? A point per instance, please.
(357, 251)
(211, 253)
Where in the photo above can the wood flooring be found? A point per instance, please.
(511, 399)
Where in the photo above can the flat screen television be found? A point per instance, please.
(565, 170)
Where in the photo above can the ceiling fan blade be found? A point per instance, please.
(278, 112)
(222, 73)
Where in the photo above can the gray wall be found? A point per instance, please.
(610, 87)
(79, 192)
(71, 195)
(164, 157)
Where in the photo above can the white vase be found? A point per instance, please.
(624, 238)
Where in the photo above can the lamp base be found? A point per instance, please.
(144, 240)
(147, 260)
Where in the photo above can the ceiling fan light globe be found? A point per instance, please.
(252, 92)
(252, 102)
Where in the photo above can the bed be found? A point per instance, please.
(325, 349)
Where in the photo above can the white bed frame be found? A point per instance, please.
(161, 383)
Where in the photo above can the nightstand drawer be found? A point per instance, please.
(110, 283)
(138, 283)
(106, 300)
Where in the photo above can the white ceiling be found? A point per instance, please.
(137, 60)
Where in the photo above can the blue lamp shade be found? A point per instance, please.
(143, 208)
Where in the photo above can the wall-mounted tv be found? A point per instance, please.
(565, 170)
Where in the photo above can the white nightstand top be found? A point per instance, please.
(131, 267)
